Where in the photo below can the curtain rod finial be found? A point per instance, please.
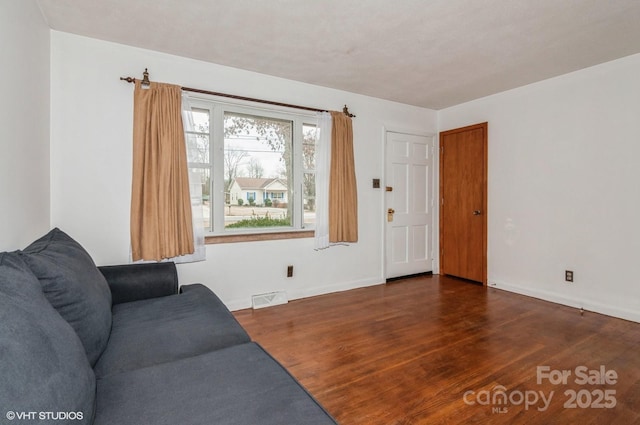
(345, 111)
(144, 82)
(145, 78)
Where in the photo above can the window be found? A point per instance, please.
(256, 167)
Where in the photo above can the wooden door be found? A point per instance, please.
(409, 204)
(463, 202)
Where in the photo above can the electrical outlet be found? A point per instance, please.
(568, 275)
(289, 271)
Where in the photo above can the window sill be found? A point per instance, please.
(271, 236)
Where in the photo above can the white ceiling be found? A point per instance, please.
(430, 53)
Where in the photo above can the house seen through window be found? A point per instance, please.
(256, 168)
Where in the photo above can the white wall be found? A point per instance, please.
(91, 167)
(564, 186)
(24, 124)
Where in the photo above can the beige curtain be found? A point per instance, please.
(161, 225)
(343, 197)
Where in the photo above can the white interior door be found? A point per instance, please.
(409, 204)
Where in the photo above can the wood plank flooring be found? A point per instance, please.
(436, 350)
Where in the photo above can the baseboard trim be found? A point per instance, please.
(589, 305)
(339, 287)
(242, 304)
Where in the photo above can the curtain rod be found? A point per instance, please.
(145, 82)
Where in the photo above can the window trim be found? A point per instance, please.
(254, 237)
(217, 109)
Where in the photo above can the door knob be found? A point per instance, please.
(391, 211)
(477, 212)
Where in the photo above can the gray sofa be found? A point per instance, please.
(123, 345)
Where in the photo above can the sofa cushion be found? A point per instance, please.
(43, 366)
(74, 286)
(164, 329)
(236, 385)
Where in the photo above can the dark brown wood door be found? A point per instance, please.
(463, 202)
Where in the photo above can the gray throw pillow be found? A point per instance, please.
(43, 366)
(74, 286)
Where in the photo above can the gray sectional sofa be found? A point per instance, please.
(124, 345)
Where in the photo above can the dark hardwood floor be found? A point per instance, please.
(436, 350)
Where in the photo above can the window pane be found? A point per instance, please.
(309, 133)
(257, 171)
(197, 148)
(203, 177)
(200, 120)
(309, 147)
(309, 187)
(198, 137)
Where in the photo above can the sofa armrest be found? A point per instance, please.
(133, 282)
